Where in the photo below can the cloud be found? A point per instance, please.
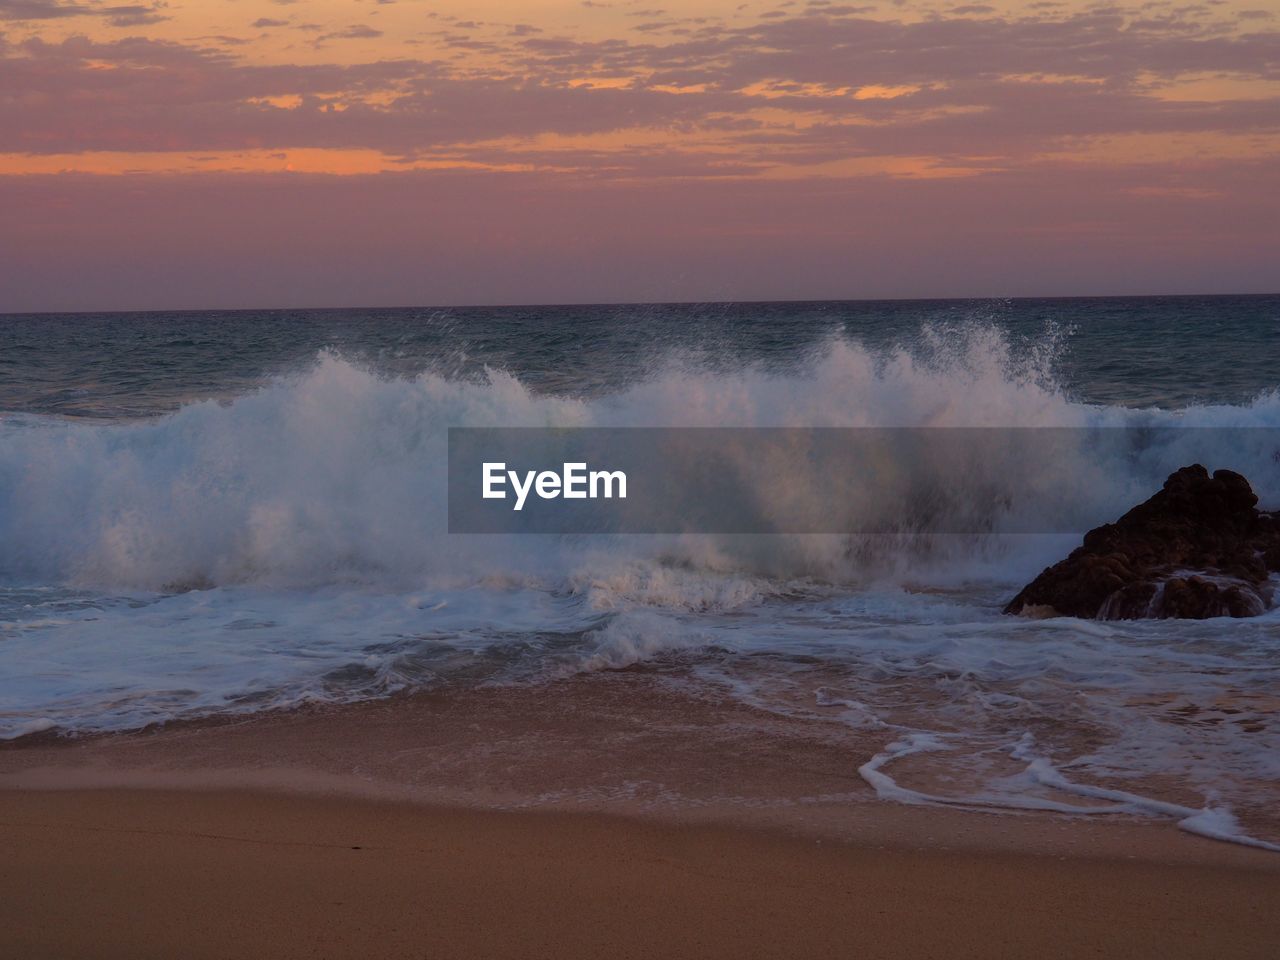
(130, 15)
(827, 151)
(39, 10)
(806, 90)
(357, 31)
(164, 95)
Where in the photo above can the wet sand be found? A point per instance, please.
(607, 817)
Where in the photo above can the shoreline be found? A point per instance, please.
(632, 743)
(609, 814)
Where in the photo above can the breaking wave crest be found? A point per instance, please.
(337, 476)
(289, 545)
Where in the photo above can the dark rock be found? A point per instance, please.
(1199, 548)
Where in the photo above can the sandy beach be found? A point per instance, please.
(570, 822)
(239, 874)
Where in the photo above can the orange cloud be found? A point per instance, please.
(823, 104)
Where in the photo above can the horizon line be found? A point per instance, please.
(641, 303)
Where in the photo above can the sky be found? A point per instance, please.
(277, 153)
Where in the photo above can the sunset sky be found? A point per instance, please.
(240, 153)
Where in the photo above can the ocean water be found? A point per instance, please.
(206, 513)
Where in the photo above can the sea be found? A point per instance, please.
(214, 513)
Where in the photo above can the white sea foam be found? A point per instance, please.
(1216, 823)
(338, 476)
(290, 545)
